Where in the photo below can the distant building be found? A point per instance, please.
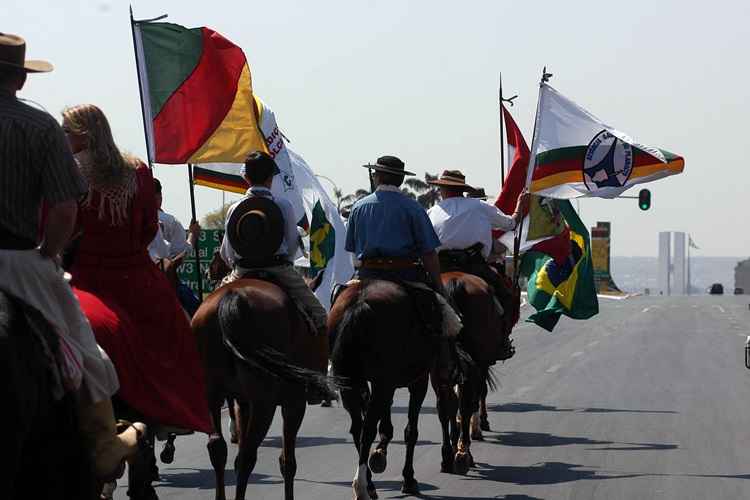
(742, 276)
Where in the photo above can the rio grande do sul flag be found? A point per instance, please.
(197, 95)
(576, 154)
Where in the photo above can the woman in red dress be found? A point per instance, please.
(134, 311)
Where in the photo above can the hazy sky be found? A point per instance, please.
(350, 81)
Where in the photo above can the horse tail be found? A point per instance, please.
(234, 314)
(356, 322)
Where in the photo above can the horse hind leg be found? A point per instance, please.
(217, 450)
(467, 402)
(417, 393)
(293, 411)
(447, 407)
(251, 436)
(378, 458)
(362, 483)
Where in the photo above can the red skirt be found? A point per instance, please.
(139, 322)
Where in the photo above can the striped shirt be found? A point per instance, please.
(35, 164)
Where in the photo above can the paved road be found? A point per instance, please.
(648, 400)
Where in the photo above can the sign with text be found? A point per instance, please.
(209, 241)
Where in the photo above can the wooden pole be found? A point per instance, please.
(195, 241)
(502, 134)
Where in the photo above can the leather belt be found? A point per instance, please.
(274, 260)
(390, 263)
(9, 241)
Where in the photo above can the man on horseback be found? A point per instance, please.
(36, 164)
(392, 237)
(258, 171)
(464, 226)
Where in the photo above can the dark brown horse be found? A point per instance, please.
(43, 446)
(257, 349)
(481, 339)
(380, 339)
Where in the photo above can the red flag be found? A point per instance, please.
(555, 245)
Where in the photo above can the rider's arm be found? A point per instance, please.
(432, 266)
(291, 236)
(61, 220)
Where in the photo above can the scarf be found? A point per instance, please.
(116, 188)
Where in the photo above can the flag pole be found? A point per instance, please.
(195, 240)
(140, 84)
(529, 172)
(502, 133)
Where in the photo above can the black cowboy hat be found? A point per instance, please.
(452, 179)
(13, 55)
(390, 165)
(477, 193)
(256, 228)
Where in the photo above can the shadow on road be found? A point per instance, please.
(532, 407)
(540, 439)
(541, 473)
(203, 479)
(304, 441)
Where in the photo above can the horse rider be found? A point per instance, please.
(170, 242)
(391, 237)
(258, 172)
(464, 226)
(36, 164)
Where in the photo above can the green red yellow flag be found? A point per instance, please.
(197, 96)
(562, 286)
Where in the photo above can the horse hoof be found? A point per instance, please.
(484, 424)
(410, 487)
(476, 435)
(167, 453)
(372, 492)
(378, 461)
(461, 463)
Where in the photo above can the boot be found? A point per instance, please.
(108, 449)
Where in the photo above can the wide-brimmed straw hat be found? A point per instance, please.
(477, 193)
(390, 165)
(452, 179)
(13, 55)
(256, 228)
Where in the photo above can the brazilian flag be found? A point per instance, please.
(322, 239)
(563, 286)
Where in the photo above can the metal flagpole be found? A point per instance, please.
(195, 241)
(502, 133)
(530, 170)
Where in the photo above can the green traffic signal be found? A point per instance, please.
(644, 199)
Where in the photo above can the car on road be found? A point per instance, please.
(716, 289)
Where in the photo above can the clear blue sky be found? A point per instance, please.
(350, 81)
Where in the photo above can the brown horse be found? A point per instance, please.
(380, 339)
(257, 349)
(43, 439)
(481, 340)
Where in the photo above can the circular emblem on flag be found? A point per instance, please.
(608, 162)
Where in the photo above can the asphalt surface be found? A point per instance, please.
(647, 400)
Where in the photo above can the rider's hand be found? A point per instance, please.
(194, 228)
(523, 203)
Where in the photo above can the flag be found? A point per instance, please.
(691, 243)
(576, 154)
(556, 288)
(327, 235)
(539, 225)
(226, 176)
(197, 95)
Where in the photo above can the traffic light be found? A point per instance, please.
(644, 199)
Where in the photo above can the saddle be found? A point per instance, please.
(423, 299)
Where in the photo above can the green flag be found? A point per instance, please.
(322, 239)
(563, 286)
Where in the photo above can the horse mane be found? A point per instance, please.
(234, 314)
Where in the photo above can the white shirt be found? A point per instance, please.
(290, 243)
(462, 222)
(170, 238)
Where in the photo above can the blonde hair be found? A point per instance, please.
(105, 167)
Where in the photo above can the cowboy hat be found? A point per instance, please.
(389, 165)
(477, 193)
(256, 228)
(452, 179)
(13, 55)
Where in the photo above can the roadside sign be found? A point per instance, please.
(209, 241)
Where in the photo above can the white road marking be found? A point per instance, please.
(576, 354)
(592, 344)
(646, 309)
(553, 368)
(721, 309)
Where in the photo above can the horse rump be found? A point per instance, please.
(234, 314)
